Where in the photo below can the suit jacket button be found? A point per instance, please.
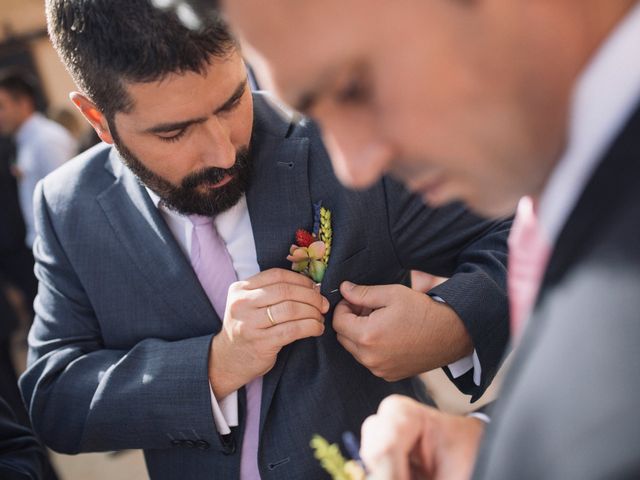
(202, 444)
(176, 443)
(228, 444)
(190, 443)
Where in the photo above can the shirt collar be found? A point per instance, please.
(154, 197)
(225, 221)
(604, 98)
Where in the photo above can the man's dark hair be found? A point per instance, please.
(108, 43)
(19, 84)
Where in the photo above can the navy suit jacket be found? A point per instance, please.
(119, 348)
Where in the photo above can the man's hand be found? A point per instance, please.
(264, 313)
(407, 440)
(397, 332)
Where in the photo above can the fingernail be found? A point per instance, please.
(348, 285)
(325, 304)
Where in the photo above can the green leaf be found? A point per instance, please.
(316, 270)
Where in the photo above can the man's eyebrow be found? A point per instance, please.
(174, 126)
(233, 98)
(305, 101)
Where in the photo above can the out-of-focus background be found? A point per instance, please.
(24, 43)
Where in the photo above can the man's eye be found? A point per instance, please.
(173, 137)
(232, 105)
(353, 92)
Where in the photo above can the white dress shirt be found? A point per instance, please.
(605, 96)
(42, 145)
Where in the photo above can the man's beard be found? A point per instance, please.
(192, 196)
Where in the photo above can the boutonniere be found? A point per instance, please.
(333, 461)
(310, 254)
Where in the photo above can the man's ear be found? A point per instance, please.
(94, 116)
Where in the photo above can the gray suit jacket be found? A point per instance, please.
(119, 348)
(569, 407)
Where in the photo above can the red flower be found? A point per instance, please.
(304, 238)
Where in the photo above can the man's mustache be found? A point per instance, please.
(210, 175)
(213, 175)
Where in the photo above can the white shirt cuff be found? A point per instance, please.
(462, 366)
(225, 412)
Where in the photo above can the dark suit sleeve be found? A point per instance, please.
(21, 456)
(472, 252)
(84, 397)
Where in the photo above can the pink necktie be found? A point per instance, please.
(529, 252)
(214, 268)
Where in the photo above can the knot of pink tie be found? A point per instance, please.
(200, 221)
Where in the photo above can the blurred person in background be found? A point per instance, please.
(21, 456)
(42, 145)
(16, 270)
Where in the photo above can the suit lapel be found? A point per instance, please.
(152, 248)
(616, 174)
(279, 202)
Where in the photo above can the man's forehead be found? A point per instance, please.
(217, 81)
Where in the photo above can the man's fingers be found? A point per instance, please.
(383, 458)
(390, 436)
(347, 320)
(370, 296)
(283, 292)
(286, 333)
(277, 275)
(288, 311)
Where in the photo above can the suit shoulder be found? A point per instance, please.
(79, 179)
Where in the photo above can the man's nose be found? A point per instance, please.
(359, 157)
(218, 149)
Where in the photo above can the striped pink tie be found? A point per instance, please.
(214, 268)
(529, 252)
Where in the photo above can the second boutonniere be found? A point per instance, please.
(310, 254)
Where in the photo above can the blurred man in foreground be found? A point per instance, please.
(489, 101)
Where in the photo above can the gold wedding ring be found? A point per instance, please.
(273, 322)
